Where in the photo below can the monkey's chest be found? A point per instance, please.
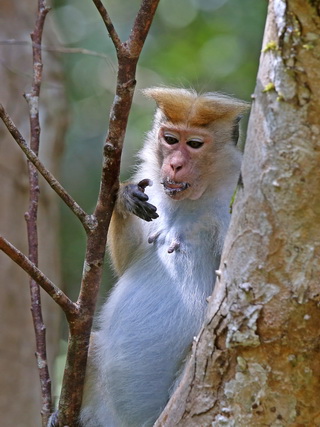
(185, 253)
(184, 237)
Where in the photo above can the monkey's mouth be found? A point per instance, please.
(172, 188)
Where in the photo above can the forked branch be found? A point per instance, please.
(109, 25)
(80, 314)
(128, 55)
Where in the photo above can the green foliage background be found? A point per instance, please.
(207, 44)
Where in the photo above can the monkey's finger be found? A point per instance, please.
(148, 217)
(140, 195)
(145, 183)
(150, 208)
(151, 216)
(146, 211)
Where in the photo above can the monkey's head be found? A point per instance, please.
(193, 134)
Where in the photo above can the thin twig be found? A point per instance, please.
(19, 258)
(31, 216)
(88, 221)
(58, 49)
(62, 49)
(109, 25)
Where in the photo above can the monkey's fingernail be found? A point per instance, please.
(140, 195)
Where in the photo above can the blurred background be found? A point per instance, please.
(211, 45)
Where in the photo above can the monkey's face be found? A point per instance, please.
(186, 154)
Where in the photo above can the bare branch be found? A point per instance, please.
(108, 23)
(88, 221)
(141, 26)
(70, 400)
(32, 216)
(19, 258)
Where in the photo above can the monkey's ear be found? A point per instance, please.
(186, 106)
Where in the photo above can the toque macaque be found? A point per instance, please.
(165, 239)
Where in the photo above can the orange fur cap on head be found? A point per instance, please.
(187, 106)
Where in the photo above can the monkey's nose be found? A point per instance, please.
(176, 167)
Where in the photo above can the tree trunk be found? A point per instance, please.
(257, 361)
(19, 382)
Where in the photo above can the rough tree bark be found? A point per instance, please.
(257, 360)
(19, 380)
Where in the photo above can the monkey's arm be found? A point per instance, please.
(125, 232)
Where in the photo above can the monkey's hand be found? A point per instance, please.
(135, 200)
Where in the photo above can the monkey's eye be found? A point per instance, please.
(170, 139)
(195, 143)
